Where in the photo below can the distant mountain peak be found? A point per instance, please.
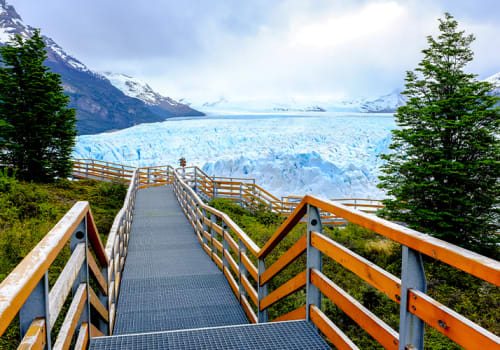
(140, 90)
(100, 105)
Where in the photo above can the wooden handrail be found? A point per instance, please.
(18, 285)
(472, 263)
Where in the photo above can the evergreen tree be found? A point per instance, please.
(37, 130)
(443, 173)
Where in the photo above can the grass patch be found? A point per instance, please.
(29, 210)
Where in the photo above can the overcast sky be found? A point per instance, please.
(261, 49)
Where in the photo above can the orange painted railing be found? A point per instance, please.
(233, 251)
(25, 291)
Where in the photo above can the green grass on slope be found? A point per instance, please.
(29, 210)
(473, 298)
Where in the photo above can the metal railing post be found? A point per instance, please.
(225, 246)
(213, 233)
(86, 170)
(242, 249)
(241, 196)
(195, 181)
(411, 328)
(262, 291)
(313, 259)
(149, 175)
(214, 188)
(80, 236)
(204, 225)
(37, 306)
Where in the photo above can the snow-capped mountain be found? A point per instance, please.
(100, 105)
(385, 104)
(495, 80)
(139, 89)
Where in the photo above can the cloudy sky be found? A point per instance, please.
(261, 49)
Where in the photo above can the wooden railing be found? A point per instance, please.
(233, 251)
(25, 291)
(106, 171)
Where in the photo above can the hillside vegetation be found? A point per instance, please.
(29, 210)
(473, 298)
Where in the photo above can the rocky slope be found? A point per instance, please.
(100, 105)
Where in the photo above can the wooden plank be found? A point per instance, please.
(365, 269)
(95, 332)
(217, 245)
(463, 259)
(18, 285)
(297, 314)
(217, 228)
(68, 327)
(286, 289)
(96, 272)
(96, 303)
(206, 234)
(284, 260)
(448, 322)
(252, 270)
(283, 230)
(95, 240)
(207, 249)
(112, 315)
(64, 283)
(232, 282)
(330, 330)
(36, 337)
(231, 242)
(231, 262)
(217, 260)
(373, 325)
(83, 337)
(248, 310)
(252, 293)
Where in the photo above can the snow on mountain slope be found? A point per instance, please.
(136, 88)
(325, 154)
(495, 80)
(385, 104)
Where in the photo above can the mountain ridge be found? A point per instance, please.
(100, 105)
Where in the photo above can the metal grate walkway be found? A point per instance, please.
(169, 282)
(291, 335)
(173, 296)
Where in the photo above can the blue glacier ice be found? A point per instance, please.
(332, 155)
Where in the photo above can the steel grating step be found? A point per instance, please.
(276, 335)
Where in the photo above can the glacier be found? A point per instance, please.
(330, 155)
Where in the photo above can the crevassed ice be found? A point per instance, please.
(329, 155)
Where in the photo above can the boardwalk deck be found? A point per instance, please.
(169, 282)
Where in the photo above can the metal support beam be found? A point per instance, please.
(411, 328)
(225, 245)
(242, 249)
(80, 236)
(262, 292)
(213, 233)
(313, 294)
(204, 225)
(37, 306)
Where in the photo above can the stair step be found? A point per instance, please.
(273, 335)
